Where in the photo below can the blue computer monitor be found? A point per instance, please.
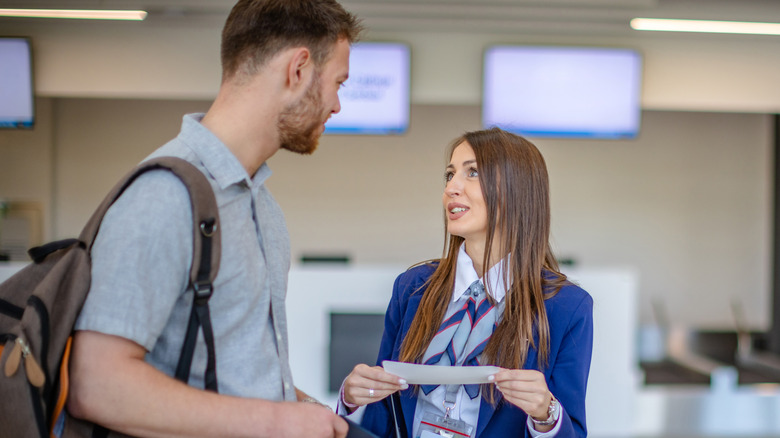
(565, 92)
(375, 98)
(16, 83)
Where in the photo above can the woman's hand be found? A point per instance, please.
(526, 389)
(367, 384)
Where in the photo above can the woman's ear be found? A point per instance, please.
(299, 67)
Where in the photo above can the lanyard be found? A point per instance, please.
(450, 399)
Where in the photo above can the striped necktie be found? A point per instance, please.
(463, 335)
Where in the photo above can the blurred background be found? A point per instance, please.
(671, 229)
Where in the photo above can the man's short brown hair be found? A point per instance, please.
(256, 30)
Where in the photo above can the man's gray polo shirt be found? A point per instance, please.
(141, 261)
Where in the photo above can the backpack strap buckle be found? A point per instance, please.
(203, 291)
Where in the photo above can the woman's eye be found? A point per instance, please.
(473, 173)
(448, 176)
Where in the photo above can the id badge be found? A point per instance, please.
(437, 426)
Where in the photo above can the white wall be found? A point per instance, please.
(27, 164)
(613, 383)
(687, 203)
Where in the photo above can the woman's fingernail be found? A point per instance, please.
(401, 382)
(404, 386)
(491, 378)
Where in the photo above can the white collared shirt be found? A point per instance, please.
(467, 409)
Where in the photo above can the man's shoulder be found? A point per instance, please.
(155, 205)
(175, 147)
(162, 187)
(156, 189)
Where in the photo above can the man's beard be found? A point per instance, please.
(299, 123)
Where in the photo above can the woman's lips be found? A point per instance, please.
(456, 211)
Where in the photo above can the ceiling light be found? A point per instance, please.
(677, 25)
(75, 13)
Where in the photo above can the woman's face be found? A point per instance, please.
(464, 204)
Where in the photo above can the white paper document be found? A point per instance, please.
(416, 374)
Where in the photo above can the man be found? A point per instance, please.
(283, 62)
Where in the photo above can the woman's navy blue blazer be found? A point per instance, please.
(570, 315)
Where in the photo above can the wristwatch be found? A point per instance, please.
(316, 402)
(553, 412)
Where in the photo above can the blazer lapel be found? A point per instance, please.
(408, 399)
(408, 406)
(486, 411)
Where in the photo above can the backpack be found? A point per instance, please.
(40, 303)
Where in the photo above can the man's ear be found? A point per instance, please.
(299, 67)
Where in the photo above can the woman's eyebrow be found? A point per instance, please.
(465, 163)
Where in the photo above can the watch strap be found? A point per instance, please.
(553, 412)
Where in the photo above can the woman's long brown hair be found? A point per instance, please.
(515, 185)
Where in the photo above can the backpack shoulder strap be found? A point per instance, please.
(206, 252)
(205, 213)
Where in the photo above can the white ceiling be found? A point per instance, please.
(570, 17)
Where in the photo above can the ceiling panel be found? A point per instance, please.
(587, 17)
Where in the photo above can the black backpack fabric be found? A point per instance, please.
(40, 303)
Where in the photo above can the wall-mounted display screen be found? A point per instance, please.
(375, 98)
(566, 92)
(16, 83)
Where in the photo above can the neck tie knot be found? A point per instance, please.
(462, 336)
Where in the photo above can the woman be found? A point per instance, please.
(523, 315)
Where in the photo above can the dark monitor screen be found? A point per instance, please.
(354, 339)
(16, 83)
